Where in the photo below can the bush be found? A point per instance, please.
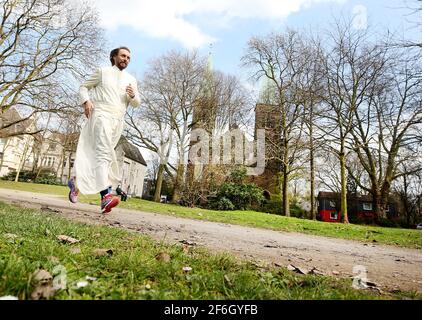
(297, 211)
(272, 206)
(52, 180)
(275, 206)
(241, 196)
(222, 204)
(45, 177)
(24, 176)
(383, 222)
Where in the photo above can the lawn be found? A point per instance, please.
(132, 266)
(409, 238)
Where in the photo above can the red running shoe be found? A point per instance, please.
(109, 202)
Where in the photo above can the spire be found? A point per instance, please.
(209, 74)
(267, 94)
(210, 64)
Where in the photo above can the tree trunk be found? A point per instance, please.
(343, 179)
(406, 200)
(313, 211)
(70, 167)
(22, 160)
(380, 201)
(62, 165)
(285, 192)
(178, 183)
(312, 167)
(160, 175)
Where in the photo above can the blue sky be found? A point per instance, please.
(151, 28)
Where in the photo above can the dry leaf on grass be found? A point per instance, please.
(67, 239)
(186, 249)
(302, 270)
(316, 272)
(10, 236)
(188, 242)
(90, 278)
(48, 209)
(102, 252)
(187, 269)
(164, 257)
(227, 279)
(291, 267)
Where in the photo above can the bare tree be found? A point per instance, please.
(386, 133)
(174, 88)
(415, 12)
(276, 57)
(352, 67)
(169, 91)
(44, 45)
(409, 189)
(311, 87)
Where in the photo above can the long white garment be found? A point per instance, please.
(96, 165)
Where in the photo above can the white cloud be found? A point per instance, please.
(169, 18)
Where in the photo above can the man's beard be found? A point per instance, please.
(122, 65)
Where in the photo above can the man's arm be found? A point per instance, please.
(90, 83)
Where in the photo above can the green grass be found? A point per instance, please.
(392, 236)
(133, 272)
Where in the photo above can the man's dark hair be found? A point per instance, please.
(115, 52)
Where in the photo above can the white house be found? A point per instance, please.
(15, 148)
(134, 167)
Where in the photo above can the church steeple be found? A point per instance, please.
(208, 76)
(267, 93)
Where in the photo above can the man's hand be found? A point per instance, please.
(130, 92)
(88, 108)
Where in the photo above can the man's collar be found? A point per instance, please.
(117, 68)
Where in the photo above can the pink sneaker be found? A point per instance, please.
(73, 193)
(109, 202)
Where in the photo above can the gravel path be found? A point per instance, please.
(389, 267)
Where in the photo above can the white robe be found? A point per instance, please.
(96, 166)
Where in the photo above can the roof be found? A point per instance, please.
(130, 151)
(336, 195)
(9, 116)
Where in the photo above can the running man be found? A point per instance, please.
(105, 96)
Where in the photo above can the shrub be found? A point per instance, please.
(297, 211)
(275, 206)
(272, 206)
(383, 222)
(222, 204)
(24, 176)
(45, 177)
(242, 196)
(52, 180)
